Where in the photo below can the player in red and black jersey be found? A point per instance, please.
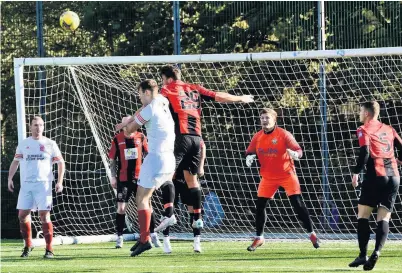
(126, 153)
(185, 105)
(380, 187)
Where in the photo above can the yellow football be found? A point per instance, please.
(69, 21)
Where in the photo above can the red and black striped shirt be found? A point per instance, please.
(128, 153)
(185, 105)
(381, 140)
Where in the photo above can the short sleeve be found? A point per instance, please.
(113, 150)
(253, 145)
(56, 156)
(144, 115)
(292, 144)
(18, 153)
(363, 138)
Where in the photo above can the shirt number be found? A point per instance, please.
(385, 141)
(190, 100)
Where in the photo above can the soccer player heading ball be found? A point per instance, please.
(159, 165)
(185, 105)
(381, 184)
(276, 150)
(36, 154)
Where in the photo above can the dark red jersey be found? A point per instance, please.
(185, 105)
(128, 153)
(379, 138)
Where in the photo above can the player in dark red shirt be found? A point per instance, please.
(380, 187)
(185, 105)
(126, 153)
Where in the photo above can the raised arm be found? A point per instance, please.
(222, 97)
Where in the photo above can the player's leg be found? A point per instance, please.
(367, 201)
(388, 195)
(123, 195)
(266, 191)
(154, 235)
(42, 195)
(168, 195)
(24, 205)
(144, 218)
(47, 228)
(24, 217)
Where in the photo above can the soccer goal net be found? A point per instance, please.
(315, 93)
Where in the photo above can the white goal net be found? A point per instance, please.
(316, 95)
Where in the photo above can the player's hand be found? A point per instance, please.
(10, 185)
(355, 180)
(247, 98)
(113, 182)
(250, 159)
(59, 187)
(120, 126)
(201, 172)
(294, 155)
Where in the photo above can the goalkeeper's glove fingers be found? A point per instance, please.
(250, 159)
(293, 154)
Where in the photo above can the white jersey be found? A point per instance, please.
(36, 158)
(159, 123)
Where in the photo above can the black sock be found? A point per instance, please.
(195, 195)
(381, 234)
(261, 215)
(152, 223)
(363, 235)
(166, 232)
(191, 219)
(168, 198)
(120, 218)
(301, 211)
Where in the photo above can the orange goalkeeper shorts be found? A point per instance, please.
(269, 186)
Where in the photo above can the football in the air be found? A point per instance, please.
(69, 21)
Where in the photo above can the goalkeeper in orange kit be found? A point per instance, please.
(276, 150)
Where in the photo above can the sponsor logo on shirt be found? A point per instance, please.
(35, 157)
(122, 143)
(268, 151)
(137, 142)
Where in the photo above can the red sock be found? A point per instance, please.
(144, 218)
(48, 233)
(26, 233)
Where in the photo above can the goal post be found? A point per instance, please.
(87, 96)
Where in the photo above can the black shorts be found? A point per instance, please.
(182, 192)
(380, 191)
(187, 151)
(125, 190)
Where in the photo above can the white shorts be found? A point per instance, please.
(156, 170)
(35, 196)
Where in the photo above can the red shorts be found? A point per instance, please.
(269, 186)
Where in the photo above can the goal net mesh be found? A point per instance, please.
(82, 103)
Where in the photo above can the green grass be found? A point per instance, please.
(293, 256)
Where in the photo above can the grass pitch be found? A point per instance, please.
(274, 256)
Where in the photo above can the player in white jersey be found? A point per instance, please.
(36, 154)
(158, 166)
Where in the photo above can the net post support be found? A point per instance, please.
(41, 54)
(323, 113)
(176, 28)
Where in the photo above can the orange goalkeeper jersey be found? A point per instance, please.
(271, 152)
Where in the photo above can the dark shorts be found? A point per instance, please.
(125, 190)
(380, 191)
(187, 151)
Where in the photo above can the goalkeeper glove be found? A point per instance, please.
(293, 154)
(250, 159)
